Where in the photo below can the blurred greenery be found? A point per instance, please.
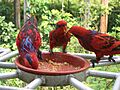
(48, 12)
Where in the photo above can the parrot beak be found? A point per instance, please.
(70, 33)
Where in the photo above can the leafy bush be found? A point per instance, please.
(7, 34)
(49, 12)
(7, 9)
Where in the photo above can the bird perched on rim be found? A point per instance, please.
(59, 36)
(28, 42)
(99, 43)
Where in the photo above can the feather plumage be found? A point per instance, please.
(28, 42)
(59, 36)
(99, 43)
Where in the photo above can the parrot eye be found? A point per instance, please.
(28, 57)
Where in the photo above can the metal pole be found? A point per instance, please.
(12, 88)
(102, 74)
(79, 85)
(7, 65)
(4, 51)
(91, 56)
(117, 84)
(34, 83)
(8, 75)
(25, 6)
(106, 62)
(9, 55)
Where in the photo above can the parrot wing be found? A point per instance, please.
(102, 42)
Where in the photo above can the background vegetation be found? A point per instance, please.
(49, 12)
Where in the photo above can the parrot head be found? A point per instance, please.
(31, 61)
(61, 23)
(32, 20)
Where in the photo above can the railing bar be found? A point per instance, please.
(34, 83)
(117, 84)
(9, 55)
(77, 84)
(9, 75)
(7, 65)
(102, 74)
(4, 51)
(12, 88)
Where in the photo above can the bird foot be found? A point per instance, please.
(111, 59)
(39, 55)
(51, 52)
(64, 51)
(93, 62)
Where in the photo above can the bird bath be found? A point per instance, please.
(55, 69)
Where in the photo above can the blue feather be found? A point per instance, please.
(27, 45)
(94, 32)
(28, 57)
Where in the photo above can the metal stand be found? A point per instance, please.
(71, 79)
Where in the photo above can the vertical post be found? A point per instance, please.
(87, 12)
(62, 5)
(17, 13)
(117, 84)
(25, 6)
(104, 19)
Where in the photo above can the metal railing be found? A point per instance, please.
(72, 80)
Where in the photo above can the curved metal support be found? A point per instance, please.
(8, 75)
(117, 84)
(4, 51)
(106, 62)
(79, 85)
(34, 83)
(8, 56)
(7, 65)
(91, 56)
(102, 74)
(12, 88)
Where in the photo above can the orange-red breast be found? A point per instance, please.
(59, 36)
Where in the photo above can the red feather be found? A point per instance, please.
(59, 36)
(99, 43)
(28, 41)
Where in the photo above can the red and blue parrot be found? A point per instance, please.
(59, 36)
(28, 42)
(99, 43)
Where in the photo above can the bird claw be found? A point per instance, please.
(93, 62)
(51, 52)
(110, 58)
(39, 55)
(64, 51)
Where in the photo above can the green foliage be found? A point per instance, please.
(10, 82)
(7, 9)
(114, 16)
(98, 83)
(7, 34)
(48, 12)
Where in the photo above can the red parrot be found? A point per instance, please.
(59, 36)
(99, 43)
(28, 42)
